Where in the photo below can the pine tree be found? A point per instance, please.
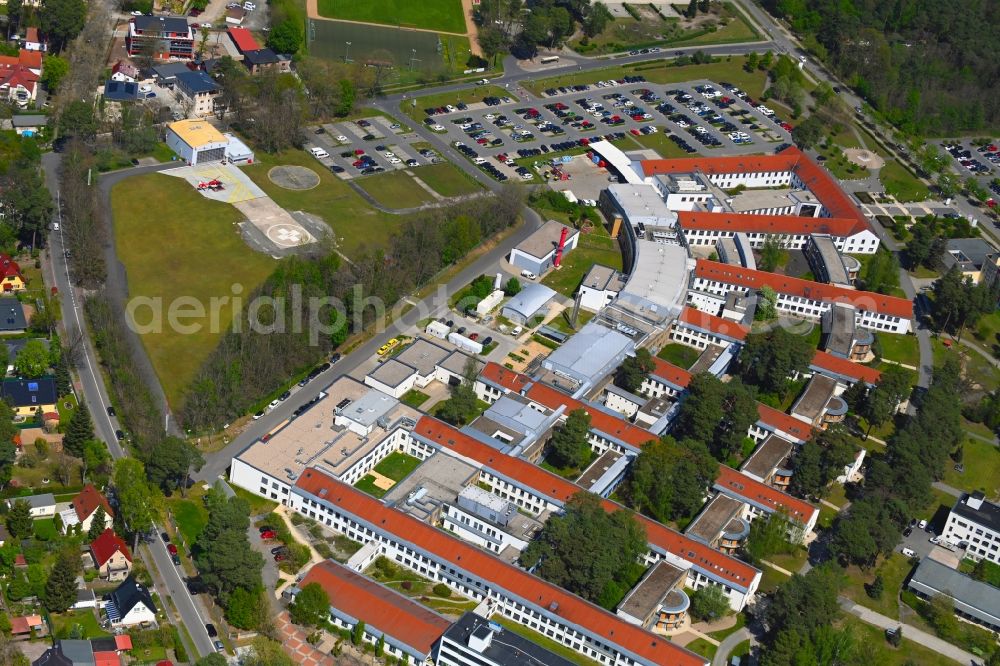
(97, 523)
(81, 428)
(64, 382)
(692, 9)
(60, 589)
(19, 520)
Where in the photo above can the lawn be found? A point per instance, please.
(880, 652)
(893, 571)
(975, 368)
(45, 529)
(770, 579)
(702, 647)
(175, 243)
(900, 183)
(66, 405)
(678, 354)
(544, 641)
(397, 465)
(259, 506)
(355, 223)
(593, 248)
(191, 517)
(395, 190)
(83, 617)
(663, 146)
(790, 561)
(988, 329)
(839, 165)
(418, 104)
(414, 398)
(443, 15)
(447, 180)
(899, 348)
(728, 69)
(982, 469)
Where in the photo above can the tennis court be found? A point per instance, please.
(371, 44)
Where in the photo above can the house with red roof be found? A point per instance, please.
(125, 72)
(11, 278)
(111, 556)
(19, 77)
(83, 507)
(763, 500)
(409, 629)
(25, 624)
(32, 41)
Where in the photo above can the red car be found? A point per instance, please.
(634, 132)
(280, 557)
(172, 548)
(473, 336)
(359, 152)
(357, 164)
(267, 534)
(786, 127)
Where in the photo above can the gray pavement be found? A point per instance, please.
(729, 644)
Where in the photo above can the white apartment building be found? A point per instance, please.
(976, 522)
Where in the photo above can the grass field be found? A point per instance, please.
(444, 15)
(64, 622)
(880, 652)
(901, 183)
(414, 398)
(395, 466)
(447, 180)
(678, 354)
(982, 469)
(593, 248)
(893, 571)
(395, 190)
(190, 515)
(728, 69)
(176, 243)
(355, 223)
(899, 348)
(702, 647)
(45, 529)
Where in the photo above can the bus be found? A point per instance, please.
(549, 59)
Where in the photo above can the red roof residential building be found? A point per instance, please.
(106, 545)
(600, 421)
(570, 609)
(845, 368)
(501, 376)
(752, 279)
(23, 624)
(718, 325)
(378, 607)
(765, 497)
(243, 39)
(555, 487)
(107, 659)
(123, 642)
(766, 224)
(786, 423)
(670, 373)
(87, 501)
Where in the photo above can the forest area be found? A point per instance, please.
(929, 66)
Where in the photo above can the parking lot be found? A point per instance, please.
(699, 116)
(367, 146)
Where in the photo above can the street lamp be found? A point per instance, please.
(413, 57)
(347, 52)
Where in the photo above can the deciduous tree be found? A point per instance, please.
(311, 606)
(770, 359)
(634, 370)
(709, 603)
(568, 446)
(668, 481)
(32, 360)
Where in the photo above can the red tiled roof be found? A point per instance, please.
(123, 642)
(710, 322)
(763, 494)
(501, 376)
(768, 224)
(378, 606)
(669, 372)
(610, 425)
(243, 39)
(536, 591)
(782, 421)
(9, 267)
(32, 59)
(23, 623)
(842, 366)
(752, 279)
(87, 501)
(559, 489)
(106, 545)
(31, 34)
(107, 659)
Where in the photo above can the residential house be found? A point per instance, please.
(263, 60)
(130, 604)
(25, 624)
(124, 71)
(42, 506)
(12, 318)
(95, 652)
(200, 90)
(243, 40)
(235, 15)
(27, 396)
(19, 77)
(171, 36)
(83, 507)
(11, 278)
(121, 91)
(31, 41)
(111, 556)
(27, 125)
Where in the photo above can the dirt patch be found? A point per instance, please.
(293, 177)
(864, 158)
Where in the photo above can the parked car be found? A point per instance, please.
(119, 435)
(165, 537)
(278, 549)
(280, 557)
(219, 647)
(176, 559)
(267, 534)
(172, 549)
(111, 410)
(210, 628)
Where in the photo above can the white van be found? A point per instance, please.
(908, 552)
(528, 275)
(318, 152)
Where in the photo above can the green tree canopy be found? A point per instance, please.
(634, 370)
(79, 430)
(60, 589)
(172, 461)
(19, 520)
(140, 504)
(285, 37)
(769, 359)
(32, 360)
(717, 414)
(62, 21)
(311, 606)
(709, 603)
(568, 446)
(668, 481)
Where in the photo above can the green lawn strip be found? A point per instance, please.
(901, 183)
(66, 405)
(680, 355)
(395, 190)
(987, 330)
(561, 323)
(191, 517)
(790, 561)
(258, 505)
(416, 107)
(663, 146)
(980, 429)
(591, 249)
(981, 464)
(544, 641)
(62, 623)
(736, 30)
(45, 529)
(741, 621)
(444, 15)
(414, 398)
(397, 465)
(447, 180)
(838, 165)
(939, 499)
(702, 647)
(826, 517)
(880, 652)
(175, 243)
(893, 571)
(352, 219)
(836, 494)
(899, 348)
(163, 153)
(771, 578)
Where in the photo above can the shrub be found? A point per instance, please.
(298, 519)
(407, 585)
(324, 550)
(442, 590)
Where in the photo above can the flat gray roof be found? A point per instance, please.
(767, 456)
(517, 413)
(603, 278)
(838, 329)
(972, 251)
(530, 300)
(438, 479)
(830, 256)
(423, 355)
(750, 200)
(706, 359)
(36, 501)
(457, 361)
(818, 392)
(641, 203)
(589, 351)
(650, 591)
(716, 516)
(972, 597)
(544, 241)
(659, 276)
(392, 373)
(598, 468)
(369, 408)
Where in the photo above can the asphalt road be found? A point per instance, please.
(93, 391)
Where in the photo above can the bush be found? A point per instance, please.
(298, 519)
(407, 585)
(324, 550)
(441, 590)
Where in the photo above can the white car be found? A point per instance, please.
(437, 128)
(137, 13)
(249, 6)
(388, 154)
(449, 107)
(395, 160)
(341, 138)
(318, 153)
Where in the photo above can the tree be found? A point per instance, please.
(79, 430)
(597, 20)
(768, 537)
(174, 460)
(568, 446)
(876, 588)
(54, 69)
(62, 376)
(266, 652)
(926, 244)
(77, 120)
(33, 360)
(587, 550)
(634, 370)
(60, 589)
(246, 609)
(97, 525)
(222, 552)
(62, 21)
(19, 520)
(769, 359)
(767, 304)
(347, 97)
(285, 37)
(512, 287)
(214, 659)
(772, 253)
(140, 504)
(716, 414)
(709, 603)
(881, 275)
(311, 606)
(808, 132)
(882, 401)
(8, 454)
(751, 62)
(462, 406)
(668, 481)
(358, 632)
(692, 9)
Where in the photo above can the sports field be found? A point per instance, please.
(372, 43)
(444, 15)
(176, 243)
